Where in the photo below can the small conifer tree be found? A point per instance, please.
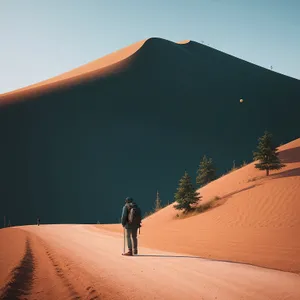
(157, 202)
(267, 154)
(206, 171)
(186, 194)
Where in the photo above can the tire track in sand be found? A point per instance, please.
(21, 277)
(68, 275)
(60, 273)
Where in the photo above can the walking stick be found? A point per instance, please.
(124, 240)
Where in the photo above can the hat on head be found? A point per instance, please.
(128, 200)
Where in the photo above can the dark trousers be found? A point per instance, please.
(132, 234)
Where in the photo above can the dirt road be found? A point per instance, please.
(82, 262)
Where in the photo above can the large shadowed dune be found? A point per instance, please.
(104, 65)
(72, 148)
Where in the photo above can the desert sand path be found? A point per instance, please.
(82, 262)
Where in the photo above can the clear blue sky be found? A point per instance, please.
(43, 38)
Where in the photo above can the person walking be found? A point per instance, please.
(131, 222)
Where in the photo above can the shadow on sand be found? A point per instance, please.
(217, 203)
(161, 255)
(290, 155)
(22, 277)
(225, 197)
(200, 258)
(208, 259)
(287, 173)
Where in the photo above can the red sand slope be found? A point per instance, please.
(31, 269)
(258, 223)
(82, 262)
(12, 247)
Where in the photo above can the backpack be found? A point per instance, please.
(134, 215)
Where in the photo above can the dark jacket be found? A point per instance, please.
(124, 218)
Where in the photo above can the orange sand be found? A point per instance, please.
(258, 222)
(83, 262)
(12, 247)
(31, 269)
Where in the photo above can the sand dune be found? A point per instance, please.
(112, 62)
(70, 142)
(184, 42)
(96, 65)
(257, 223)
(81, 262)
(12, 245)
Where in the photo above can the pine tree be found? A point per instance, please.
(267, 154)
(206, 171)
(157, 202)
(186, 194)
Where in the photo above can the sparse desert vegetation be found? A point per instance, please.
(201, 208)
(188, 198)
(267, 154)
